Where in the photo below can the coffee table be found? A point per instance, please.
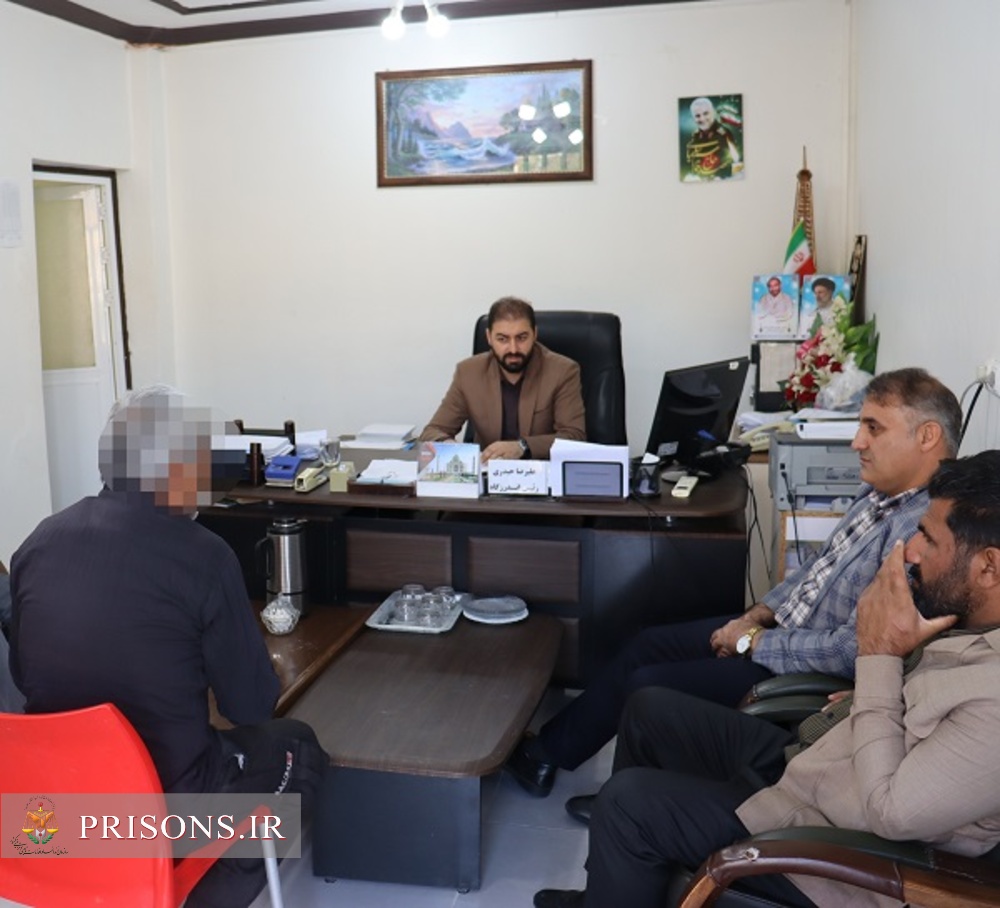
(413, 723)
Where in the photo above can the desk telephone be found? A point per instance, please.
(759, 438)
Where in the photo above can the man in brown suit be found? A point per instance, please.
(519, 397)
(915, 760)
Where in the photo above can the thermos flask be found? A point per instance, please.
(281, 558)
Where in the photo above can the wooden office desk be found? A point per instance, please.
(606, 569)
(412, 723)
(299, 658)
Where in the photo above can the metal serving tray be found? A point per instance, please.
(383, 618)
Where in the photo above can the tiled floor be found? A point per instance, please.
(528, 844)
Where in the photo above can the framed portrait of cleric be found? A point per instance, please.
(485, 124)
(775, 307)
(818, 304)
(710, 130)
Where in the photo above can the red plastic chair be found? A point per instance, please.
(94, 750)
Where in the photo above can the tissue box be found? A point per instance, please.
(341, 475)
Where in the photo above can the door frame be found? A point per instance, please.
(54, 173)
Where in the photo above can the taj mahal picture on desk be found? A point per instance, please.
(448, 470)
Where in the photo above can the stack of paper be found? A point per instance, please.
(825, 425)
(809, 414)
(270, 445)
(383, 437)
(564, 451)
(828, 430)
(390, 472)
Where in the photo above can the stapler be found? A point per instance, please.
(311, 477)
(282, 470)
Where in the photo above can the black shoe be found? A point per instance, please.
(580, 807)
(559, 898)
(533, 775)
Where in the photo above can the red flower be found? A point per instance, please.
(806, 346)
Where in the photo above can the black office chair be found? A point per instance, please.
(788, 699)
(908, 871)
(592, 339)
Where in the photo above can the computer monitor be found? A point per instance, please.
(696, 409)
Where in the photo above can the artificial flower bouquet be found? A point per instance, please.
(835, 344)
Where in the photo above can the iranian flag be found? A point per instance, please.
(798, 256)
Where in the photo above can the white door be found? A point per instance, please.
(83, 352)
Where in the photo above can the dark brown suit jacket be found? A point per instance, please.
(551, 404)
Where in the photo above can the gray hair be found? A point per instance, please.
(926, 397)
(147, 431)
(702, 104)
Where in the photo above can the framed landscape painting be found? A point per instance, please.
(492, 124)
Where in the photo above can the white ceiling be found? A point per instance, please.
(173, 14)
(177, 22)
(188, 13)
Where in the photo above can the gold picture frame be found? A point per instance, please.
(487, 124)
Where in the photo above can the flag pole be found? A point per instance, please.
(804, 204)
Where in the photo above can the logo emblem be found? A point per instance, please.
(40, 821)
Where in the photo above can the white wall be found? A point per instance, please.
(303, 291)
(249, 202)
(64, 100)
(928, 186)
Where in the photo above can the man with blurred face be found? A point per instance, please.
(519, 397)
(123, 598)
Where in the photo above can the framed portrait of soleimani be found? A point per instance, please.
(710, 129)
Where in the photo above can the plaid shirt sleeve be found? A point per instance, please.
(829, 645)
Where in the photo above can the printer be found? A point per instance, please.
(811, 474)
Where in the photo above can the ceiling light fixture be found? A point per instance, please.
(393, 25)
(437, 22)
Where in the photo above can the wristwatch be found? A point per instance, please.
(525, 450)
(745, 643)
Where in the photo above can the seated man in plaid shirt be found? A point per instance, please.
(909, 423)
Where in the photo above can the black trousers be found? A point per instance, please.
(282, 755)
(682, 767)
(677, 656)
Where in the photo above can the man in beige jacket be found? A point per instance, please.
(916, 759)
(518, 397)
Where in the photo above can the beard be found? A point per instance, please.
(513, 362)
(949, 594)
